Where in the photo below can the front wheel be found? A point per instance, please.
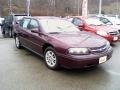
(17, 42)
(51, 59)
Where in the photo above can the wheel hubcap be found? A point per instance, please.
(17, 42)
(50, 58)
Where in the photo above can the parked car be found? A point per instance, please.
(9, 23)
(114, 20)
(1, 20)
(115, 24)
(61, 43)
(95, 26)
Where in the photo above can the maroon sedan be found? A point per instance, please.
(61, 43)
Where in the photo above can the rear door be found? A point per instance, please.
(35, 38)
(23, 32)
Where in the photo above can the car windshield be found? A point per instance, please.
(92, 21)
(57, 26)
(105, 21)
(114, 20)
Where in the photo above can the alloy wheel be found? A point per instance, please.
(51, 58)
(17, 42)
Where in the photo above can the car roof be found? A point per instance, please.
(43, 17)
(19, 14)
(81, 17)
(46, 17)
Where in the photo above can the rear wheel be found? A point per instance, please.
(17, 42)
(5, 33)
(51, 59)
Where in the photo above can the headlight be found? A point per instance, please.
(78, 51)
(102, 33)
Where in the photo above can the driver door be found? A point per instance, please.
(35, 38)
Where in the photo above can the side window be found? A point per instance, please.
(21, 22)
(33, 24)
(25, 23)
(77, 21)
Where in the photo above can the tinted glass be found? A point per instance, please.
(33, 24)
(25, 23)
(93, 21)
(77, 22)
(21, 22)
(105, 21)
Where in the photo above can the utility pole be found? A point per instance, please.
(100, 7)
(52, 8)
(78, 9)
(28, 7)
(49, 6)
(10, 6)
(53, 2)
(117, 7)
(85, 8)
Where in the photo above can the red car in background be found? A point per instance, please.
(96, 26)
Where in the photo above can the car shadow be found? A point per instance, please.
(62, 69)
(115, 44)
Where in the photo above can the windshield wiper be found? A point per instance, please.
(100, 25)
(54, 32)
(92, 24)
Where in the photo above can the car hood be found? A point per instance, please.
(105, 28)
(115, 26)
(80, 39)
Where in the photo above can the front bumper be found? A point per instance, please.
(111, 38)
(83, 61)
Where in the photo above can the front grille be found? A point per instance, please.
(113, 33)
(99, 49)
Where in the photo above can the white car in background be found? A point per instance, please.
(113, 22)
(1, 20)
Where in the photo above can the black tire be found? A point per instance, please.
(55, 65)
(5, 34)
(17, 43)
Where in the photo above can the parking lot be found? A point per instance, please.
(23, 70)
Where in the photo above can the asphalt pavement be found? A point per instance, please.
(23, 70)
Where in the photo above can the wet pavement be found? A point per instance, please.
(23, 70)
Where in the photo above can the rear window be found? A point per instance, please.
(24, 23)
(19, 17)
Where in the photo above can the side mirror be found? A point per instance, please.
(35, 30)
(17, 22)
(81, 25)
